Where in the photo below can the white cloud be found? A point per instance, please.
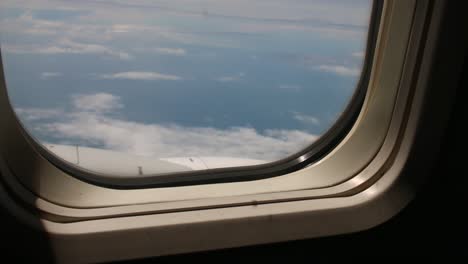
(49, 75)
(337, 12)
(25, 23)
(171, 51)
(177, 141)
(98, 103)
(66, 46)
(359, 54)
(100, 21)
(32, 114)
(165, 140)
(145, 76)
(328, 32)
(19, 49)
(127, 25)
(306, 119)
(232, 78)
(164, 51)
(122, 28)
(340, 70)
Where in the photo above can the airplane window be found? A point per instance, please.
(129, 88)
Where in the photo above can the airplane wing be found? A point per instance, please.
(120, 164)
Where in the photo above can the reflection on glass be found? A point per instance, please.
(142, 87)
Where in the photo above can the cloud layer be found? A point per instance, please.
(171, 51)
(90, 124)
(32, 114)
(232, 78)
(142, 76)
(96, 103)
(306, 119)
(50, 75)
(66, 46)
(340, 70)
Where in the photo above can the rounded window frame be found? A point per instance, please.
(338, 173)
(303, 158)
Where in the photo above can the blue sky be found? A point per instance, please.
(257, 79)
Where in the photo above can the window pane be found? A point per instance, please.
(145, 87)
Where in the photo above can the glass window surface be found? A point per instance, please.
(151, 87)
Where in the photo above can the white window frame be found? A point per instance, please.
(356, 186)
